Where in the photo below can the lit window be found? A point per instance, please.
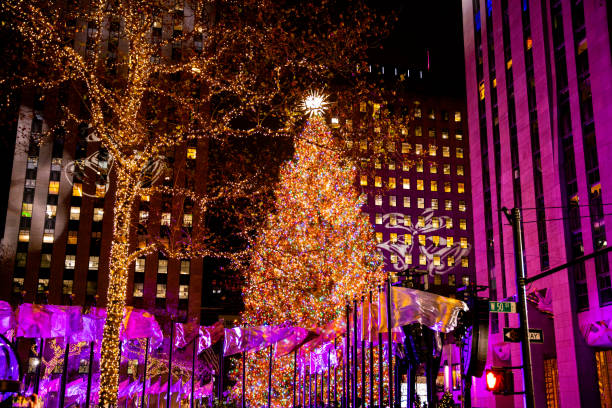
(403, 130)
(406, 166)
(51, 210)
(20, 259)
(447, 169)
(406, 202)
(140, 265)
(391, 165)
(32, 162)
(24, 235)
(460, 170)
(335, 122)
(434, 203)
(418, 149)
(464, 262)
(377, 181)
(465, 280)
(420, 221)
(391, 182)
(161, 291)
(30, 183)
(435, 222)
(145, 198)
(451, 279)
(67, 288)
(421, 202)
(187, 220)
(420, 185)
(100, 190)
(436, 262)
(75, 213)
(96, 234)
(43, 285)
(419, 167)
(392, 201)
(191, 153)
(363, 107)
(138, 290)
(447, 187)
(433, 168)
(393, 237)
(143, 216)
(457, 116)
(459, 153)
(56, 164)
(509, 64)
(405, 147)
(432, 114)
(377, 164)
(406, 184)
(165, 219)
(407, 220)
(162, 266)
(435, 239)
(445, 151)
(378, 200)
(462, 224)
(392, 219)
(459, 136)
(432, 150)
(72, 237)
(26, 210)
(363, 145)
(98, 214)
(444, 134)
(408, 239)
(378, 218)
(437, 278)
(448, 205)
(450, 260)
(363, 180)
(449, 223)
(463, 242)
(434, 185)
(393, 258)
(183, 291)
(77, 189)
(481, 90)
(379, 237)
(460, 188)
(422, 239)
(93, 263)
(54, 187)
(48, 236)
(408, 259)
(449, 242)
(70, 262)
(417, 112)
(391, 147)
(462, 206)
(422, 259)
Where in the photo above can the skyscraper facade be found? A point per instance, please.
(539, 103)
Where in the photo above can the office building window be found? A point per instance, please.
(406, 166)
(191, 153)
(407, 220)
(20, 259)
(464, 262)
(393, 258)
(422, 240)
(434, 203)
(93, 263)
(408, 259)
(422, 259)
(391, 182)
(465, 280)
(98, 214)
(75, 213)
(143, 217)
(162, 266)
(406, 184)
(165, 219)
(460, 170)
(187, 220)
(138, 290)
(183, 291)
(54, 187)
(24, 235)
(48, 236)
(379, 237)
(435, 239)
(462, 206)
(449, 223)
(435, 222)
(77, 189)
(378, 218)
(460, 188)
(420, 221)
(140, 265)
(405, 147)
(418, 149)
(392, 201)
(100, 190)
(432, 133)
(459, 153)
(434, 185)
(432, 150)
(378, 199)
(450, 260)
(417, 112)
(462, 224)
(449, 242)
(448, 205)
(32, 163)
(419, 185)
(392, 219)
(393, 237)
(377, 181)
(447, 187)
(73, 237)
(420, 202)
(26, 210)
(445, 151)
(444, 134)
(457, 116)
(185, 267)
(459, 136)
(406, 202)
(363, 180)
(45, 260)
(419, 166)
(451, 279)
(463, 242)
(408, 239)
(67, 287)
(433, 168)
(161, 291)
(447, 169)
(436, 262)
(30, 183)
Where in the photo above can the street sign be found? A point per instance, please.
(502, 307)
(513, 335)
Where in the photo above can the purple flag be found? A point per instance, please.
(7, 317)
(34, 321)
(320, 357)
(241, 339)
(210, 335)
(66, 320)
(123, 388)
(184, 333)
(75, 387)
(92, 330)
(294, 340)
(138, 324)
(154, 389)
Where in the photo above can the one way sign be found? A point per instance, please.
(513, 335)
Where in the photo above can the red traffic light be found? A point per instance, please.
(499, 381)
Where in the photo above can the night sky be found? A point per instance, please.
(434, 25)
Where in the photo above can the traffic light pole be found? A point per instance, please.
(515, 221)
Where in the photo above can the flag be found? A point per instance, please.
(209, 335)
(91, 330)
(66, 320)
(76, 387)
(138, 324)
(7, 317)
(185, 333)
(294, 340)
(414, 306)
(34, 321)
(321, 356)
(241, 339)
(154, 389)
(123, 389)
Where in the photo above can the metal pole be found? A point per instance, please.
(196, 344)
(294, 375)
(89, 372)
(144, 376)
(309, 389)
(522, 307)
(316, 394)
(243, 379)
(348, 356)
(270, 379)
(380, 354)
(64, 373)
(336, 373)
(389, 342)
(169, 390)
(329, 376)
(355, 379)
(39, 366)
(363, 374)
(371, 328)
(220, 382)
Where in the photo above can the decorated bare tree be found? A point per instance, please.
(153, 76)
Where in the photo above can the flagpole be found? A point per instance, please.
(39, 366)
(196, 345)
(329, 376)
(347, 390)
(89, 372)
(389, 341)
(380, 353)
(363, 376)
(243, 379)
(355, 379)
(294, 375)
(371, 350)
(336, 372)
(309, 389)
(270, 379)
(316, 388)
(220, 382)
(169, 390)
(62, 395)
(144, 375)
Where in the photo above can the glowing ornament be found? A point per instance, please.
(315, 104)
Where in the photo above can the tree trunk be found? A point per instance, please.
(117, 288)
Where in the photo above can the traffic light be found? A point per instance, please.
(499, 381)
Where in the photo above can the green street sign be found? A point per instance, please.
(502, 307)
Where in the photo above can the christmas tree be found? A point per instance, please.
(316, 250)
